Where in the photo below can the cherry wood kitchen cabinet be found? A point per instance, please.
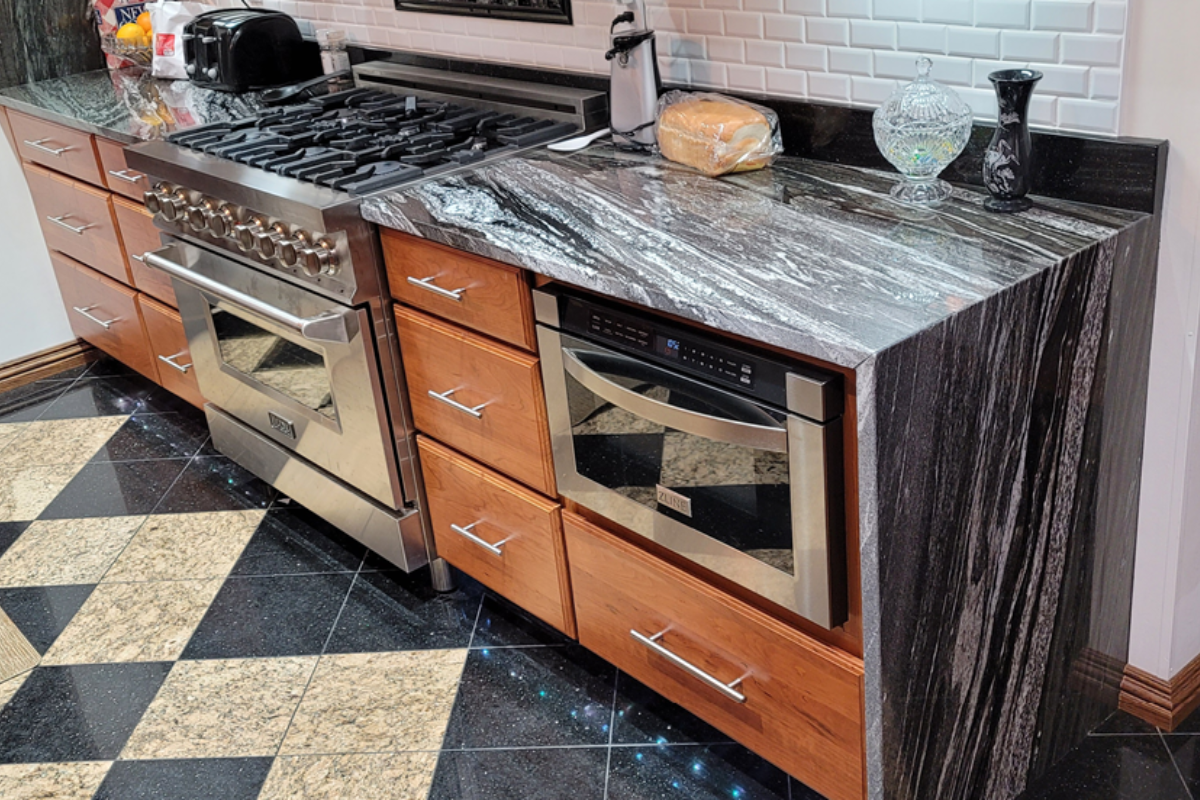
(56, 147)
(169, 348)
(78, 220)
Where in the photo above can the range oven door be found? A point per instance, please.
(746, 490)
(297, 367)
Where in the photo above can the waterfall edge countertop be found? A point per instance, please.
(126, 105)
(809, 256)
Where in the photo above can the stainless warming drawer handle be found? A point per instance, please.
(325, 328)
(727, 689)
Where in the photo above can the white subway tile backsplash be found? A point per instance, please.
(747, 78)
(724, 5)
(871, 91)
(980, 69)
(806, 7)
(829, 87)
(850, 61)
(1002, 13)
(673, 70)
(705, 21)
(1088, 115)
(921, 38)
(1062, 15)
(981, 101)
(783, 27)
(1110, 17)
(870, 33)
(1106, 84)
(828, 31)
(955, 12)
(849, 8)
(808, 57)
(1029, 46)
(766, 54)
(744, 24)
(790, 82)
(1101, 50)
(899, 10)
(682, 46)
(1043, 110)
(723, 48)
(709, 74)
(1062, 80)
(763, 6)
(979, 42)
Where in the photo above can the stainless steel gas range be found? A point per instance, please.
(281, 284)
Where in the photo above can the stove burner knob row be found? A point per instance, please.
(197, 215)
(267, 242)
(165, 203)
(319, 258)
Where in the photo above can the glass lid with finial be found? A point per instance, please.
(920, 129)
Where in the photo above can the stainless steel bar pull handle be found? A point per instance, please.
(428, 285)
(445, 397)
(486, 545)
(40, 144)
(170, 360)
(727, 689)
(59, 220)
(136, 257)
(124, 174)
(106, 324)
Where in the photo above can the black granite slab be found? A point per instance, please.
(43, 39)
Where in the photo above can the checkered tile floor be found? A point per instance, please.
(203, 637)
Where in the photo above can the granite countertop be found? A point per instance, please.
(127, 105)
(806, 255)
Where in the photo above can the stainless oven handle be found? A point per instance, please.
(727, 689)
(706, 426)
(325, 328)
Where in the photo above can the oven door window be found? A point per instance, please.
(294, 370)
(705, 475)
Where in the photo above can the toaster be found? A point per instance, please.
(238, 49)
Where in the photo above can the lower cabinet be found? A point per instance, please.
(104, 313)
(140, 236)
(794, 700)
(169, 346)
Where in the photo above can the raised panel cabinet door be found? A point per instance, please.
(478, 396)
(140, 236)
(483, 295)
(55, 146)
(498, 532)
(117, 174)
(104, 313)
(791, 699)
(78, 220)
(169, 346)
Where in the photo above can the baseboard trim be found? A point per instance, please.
(46, 363)
(1164, 703)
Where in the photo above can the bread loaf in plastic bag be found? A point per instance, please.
(716, 134)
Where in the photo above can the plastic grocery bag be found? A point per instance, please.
(716, 134)
(110, 16)
(168, 19)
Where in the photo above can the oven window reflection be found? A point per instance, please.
(289, 368)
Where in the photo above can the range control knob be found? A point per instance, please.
(172, 206)
(320, 257)
(197, 215)
(289, 249)
(244, 233)
(153, 199)
(222, 221)
(267, 242)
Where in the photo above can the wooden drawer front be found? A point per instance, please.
(169, 346)
(58, 147)
(802, 705)
(139, 235)
(104, 313)
(500, 416)
(492, 298)
(528, 564)
(117, 175)
(88, 211)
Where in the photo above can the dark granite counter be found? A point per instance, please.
(126, 105)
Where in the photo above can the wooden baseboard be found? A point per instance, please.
(1164, 703)
(46, 363)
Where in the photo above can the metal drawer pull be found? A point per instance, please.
(476, 412)
(138, 258)
(59, 221)
(429, 285)
(106, 324)
(40, 144)
(466, 532)
(726, 689)
(171, 361)
(124, 175)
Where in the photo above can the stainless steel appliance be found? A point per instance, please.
(236, 49)
(281, 286)
(722, 453)
(635, 82)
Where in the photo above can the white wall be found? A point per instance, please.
(31, 310)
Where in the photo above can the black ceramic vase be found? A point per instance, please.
(1007, 167)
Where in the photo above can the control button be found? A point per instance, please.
(221, 221)
(173, 206)
(197, 215)
(244, 233)
(289, 249)
(152, 202)
(318, 258)
(267, 242)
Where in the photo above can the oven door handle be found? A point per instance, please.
(329, 327)
(706, 426)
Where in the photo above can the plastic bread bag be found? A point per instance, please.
(716, 134)
(168, 19)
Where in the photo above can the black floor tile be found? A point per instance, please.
(154, 436)
(543, 774)
(114, 489)
(1112, 768)
(714, 772)
(72, 374)
(102, 397)
(27, 403)
(502, 624)
(42, 612)
(215, 484)
(10, 532)
(109, 368)
(532, 696)
(185, 779)
(291, 541)
(79, 713)
(646, 717)
(166, 402)
(399, 611)
(802, 792)
(1124, 724)
(1185, 750)
(289, 615)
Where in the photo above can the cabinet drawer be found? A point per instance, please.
(528, 563)
(484, 295)
(169, 347)
(78, 220)
(104, 313)
(489, 403)
(139, 235)
(117, 175)
(801, 701)
(56, 146)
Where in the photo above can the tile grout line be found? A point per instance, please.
(612, 728)
(1178, 772)
(475, 627)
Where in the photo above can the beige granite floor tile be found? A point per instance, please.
(377, 702)
(186, 546)
(26, 491)
(76, 780)
(216, 709)
(66, 551)
(10, 687)
(9, 431)
(60, 441)
(376, 776)
(134, 622)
